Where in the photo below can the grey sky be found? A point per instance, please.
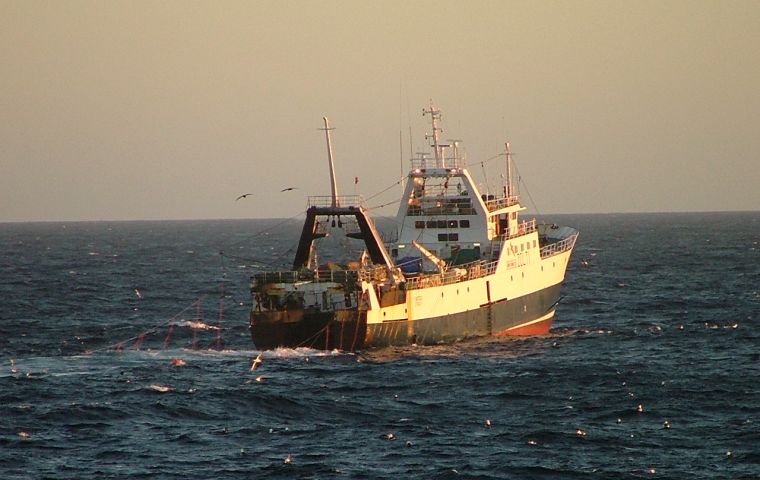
(170, 110)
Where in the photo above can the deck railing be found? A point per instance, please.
(429, 162)
(343, 201)
(468, 271)
(503, 202)
(558, 247)
(334, 276)
(523, 228)
(281, 277)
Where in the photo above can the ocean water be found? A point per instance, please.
(125, 354)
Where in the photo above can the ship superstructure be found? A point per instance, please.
(443, 210)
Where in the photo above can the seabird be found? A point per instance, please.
(288, 189)
(161, 388)
(243, 196)
(256, 362)
(200, 326)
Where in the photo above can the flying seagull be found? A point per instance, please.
(288, 189)
(257, 361)
(243, 196)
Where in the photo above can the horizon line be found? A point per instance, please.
(224, 219)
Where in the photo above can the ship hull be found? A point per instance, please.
(530, 314)
(348, 330)
(341, 329)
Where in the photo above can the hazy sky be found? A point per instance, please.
(168, 110)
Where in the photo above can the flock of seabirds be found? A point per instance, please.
(246, 195)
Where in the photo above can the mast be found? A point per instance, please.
(435, 115)
(333, 184)
(508, 187)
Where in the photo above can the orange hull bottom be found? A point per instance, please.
(538, 328)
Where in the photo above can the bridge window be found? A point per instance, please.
(442, 224)
(448, 237)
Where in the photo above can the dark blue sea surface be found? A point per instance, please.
(652, 369)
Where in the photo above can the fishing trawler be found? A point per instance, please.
(463, 265)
